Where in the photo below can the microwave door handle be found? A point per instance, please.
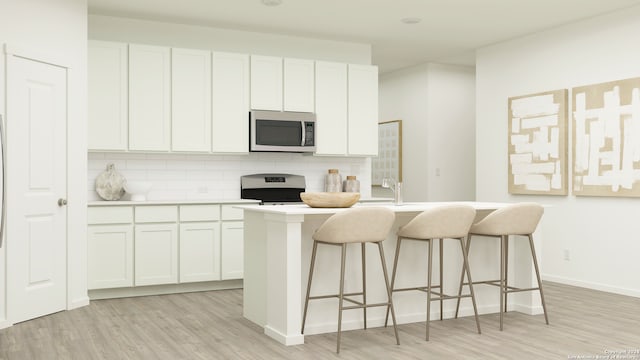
(303, 133)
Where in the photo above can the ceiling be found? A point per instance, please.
(449, 30)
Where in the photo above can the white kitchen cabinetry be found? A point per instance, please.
(299, 87)
(363, 110)
(107, 95)
(266, 83)
(331, 108)
(190, 100)
(199, 243)
(232, 243)
(149, 98)
(156, 245)
(230, 97)
(110, 247)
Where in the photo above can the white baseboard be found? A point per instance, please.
(4, 323)
(592, 285)
(78, 303)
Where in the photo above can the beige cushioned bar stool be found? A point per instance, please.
(357, 225)
(444, 222)
(516, 219)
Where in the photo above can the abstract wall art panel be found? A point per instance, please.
(538, 144)
(388, 164)
(606, 139)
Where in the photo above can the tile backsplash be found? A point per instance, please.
(194, 176)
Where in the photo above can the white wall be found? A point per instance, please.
(601, 234)
(202, 37)
(57, 28)
(218, 176)
(436, 105)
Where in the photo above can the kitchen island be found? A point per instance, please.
(277, 253)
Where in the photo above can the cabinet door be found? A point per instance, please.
(299, 85)
(232, 250)
(199, 251)
(156, 254)
(266, 83)
(109, 256)
(190, 100)
(230, 119)
(331, 108)
(149, 98)
(363, 110)
(107, 95)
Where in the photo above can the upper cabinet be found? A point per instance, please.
(230, 120)
(107, 74)
(331, 108)
(299, 87)
(146, 98)
(363, 110)
(266, 83)
(149, 98)
(190, 100)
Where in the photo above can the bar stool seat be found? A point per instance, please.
(355, 225)
(444, 222)
(519, 219)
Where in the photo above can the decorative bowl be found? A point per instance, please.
(330, 199)
(137, 189)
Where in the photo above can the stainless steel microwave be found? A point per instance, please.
(283, 131)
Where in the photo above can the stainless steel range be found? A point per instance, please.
(272, 188)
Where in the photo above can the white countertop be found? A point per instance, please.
(304, 209)
(170, 202)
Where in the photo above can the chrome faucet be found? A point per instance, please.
(396, 187)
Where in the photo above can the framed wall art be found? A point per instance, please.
(606, 139)
(538, 143)
(388, 164)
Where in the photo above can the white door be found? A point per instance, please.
(36, 179)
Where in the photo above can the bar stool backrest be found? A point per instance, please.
(357, 225)
(448, 221)
(516, 219)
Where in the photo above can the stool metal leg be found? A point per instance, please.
(389, 294)
(502, 284)
(441, 278)
(429, 271)
(465, 264)
(462, 274)
(341, 294)
(306, 300)
(393, 275)
(506, 272)
(364, 285)
(535, 265)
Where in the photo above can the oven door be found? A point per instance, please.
(282, 131)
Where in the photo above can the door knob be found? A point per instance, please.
(62, 202)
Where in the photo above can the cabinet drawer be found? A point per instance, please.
(156, 214)
(199, 212)
(229, 212)
(110, 215)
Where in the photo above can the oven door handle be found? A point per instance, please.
(303, 133)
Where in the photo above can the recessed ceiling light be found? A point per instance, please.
(272, 2)
(411, 20)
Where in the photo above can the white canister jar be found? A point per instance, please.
(333, 181)
(351, 184)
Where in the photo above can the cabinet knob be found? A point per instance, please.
(62, 202)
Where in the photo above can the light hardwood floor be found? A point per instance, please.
(209, 325)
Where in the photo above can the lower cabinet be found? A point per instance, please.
(139, 245)
(110, 256)
(233, 250)
(156, 254)
(199, 251)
